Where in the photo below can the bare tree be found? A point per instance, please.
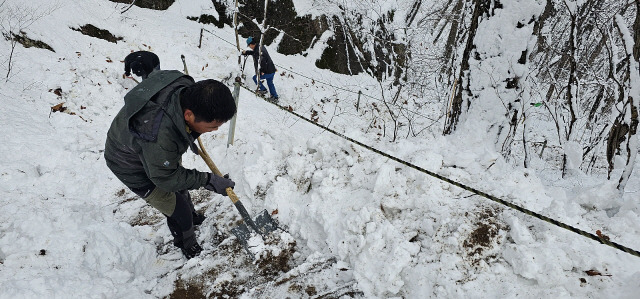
(457, 104)
(630, 110)
(14, 20)
(576, 66)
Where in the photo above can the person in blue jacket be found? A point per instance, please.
(266, 70)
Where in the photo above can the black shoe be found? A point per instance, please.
(190, 247)
(198, 218)
(192, 251)
(274, 99)
(262, 92)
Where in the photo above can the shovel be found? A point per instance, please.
(262, 225)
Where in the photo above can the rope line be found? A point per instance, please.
(601, 239)
(354, 92)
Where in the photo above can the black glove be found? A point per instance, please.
(219, 184)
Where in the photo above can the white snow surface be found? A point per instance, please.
(65, 229)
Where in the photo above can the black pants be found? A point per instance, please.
(183, 213)
(181, 221)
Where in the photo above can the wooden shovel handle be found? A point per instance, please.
(203, 153)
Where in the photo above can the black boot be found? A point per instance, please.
(190, 247)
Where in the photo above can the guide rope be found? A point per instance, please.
(599, 238)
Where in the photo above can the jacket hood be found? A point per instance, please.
(147, 103)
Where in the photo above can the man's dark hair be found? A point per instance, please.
(209, 100)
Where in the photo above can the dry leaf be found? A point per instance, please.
(592, 272)
(58, 108)
(601, 235)
(595, 273)
(58, 91)
(274, 212)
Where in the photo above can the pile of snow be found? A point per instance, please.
(70, 229)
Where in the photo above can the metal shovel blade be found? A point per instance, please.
(263, 225)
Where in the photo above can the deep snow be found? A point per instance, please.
(68, 229)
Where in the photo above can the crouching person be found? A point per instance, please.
(142, 63)
(161, 118)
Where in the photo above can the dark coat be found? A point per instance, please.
(142, 63)
(148, 136)
(266, 64)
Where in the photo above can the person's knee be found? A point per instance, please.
(163, 201)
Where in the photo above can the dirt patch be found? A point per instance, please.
(147, 216)
(481, 237)
(226, 289)
(209, 19)
(121, 192)
(188, 289)
(235, 272)
(484, 238)
(150, 4)
(276, 259)
(27, 42)
(96, 32)
(261, 192)
(311, 290)
(227, 279)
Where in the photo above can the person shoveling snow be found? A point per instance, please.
(161, 118)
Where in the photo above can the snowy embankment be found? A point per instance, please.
(68, 229)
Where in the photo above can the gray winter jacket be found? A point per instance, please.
(148, 136)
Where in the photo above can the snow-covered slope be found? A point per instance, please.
(364, 226)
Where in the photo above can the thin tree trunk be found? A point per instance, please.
(572, 88)
(457, 103)
(636, 30)
(263, 30)
(447, 66)
(235, 28)
(10, 62)
(630, 40)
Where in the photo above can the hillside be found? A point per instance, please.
(354, 223)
